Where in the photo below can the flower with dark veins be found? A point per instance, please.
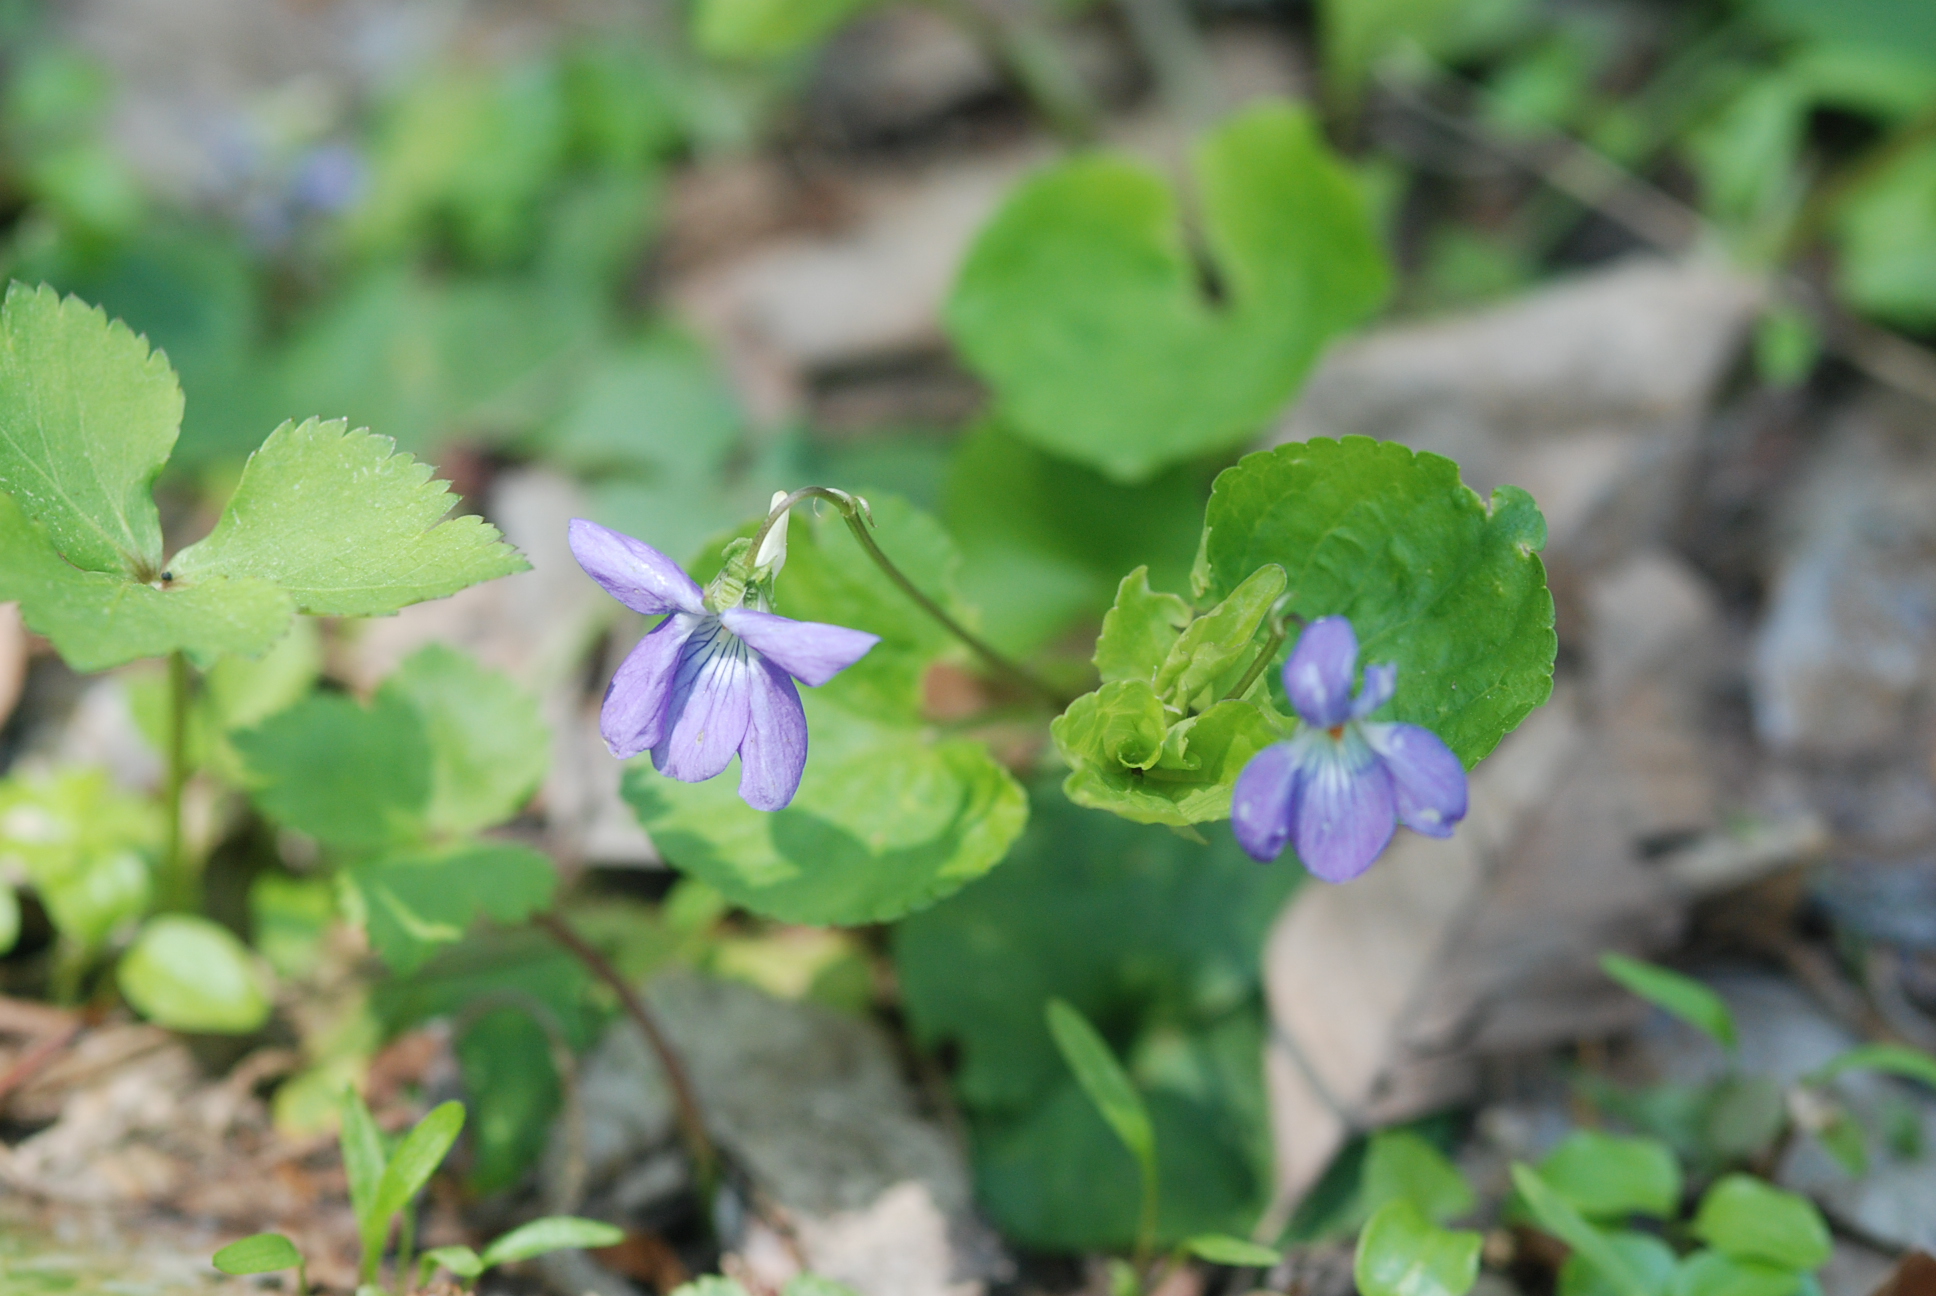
(1338, 786)
(715, 678)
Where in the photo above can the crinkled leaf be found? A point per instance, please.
(1558, 1216)
(1191, 778)
(1104, 1082)
(552, 1233)
(1749, 1219)
(1217, 646)
(263, 1253)
(1682, 996)
(347, 775)
(188, 974)
(1139, 631)
(888, 820)
(1402, 1253)
(88, 415)
(1711, 1273)
(1434, 579)
(415, 903)
(1645, 1256)
(1081, 305)
(1608, 1177)
(100, 619)
(1399, 1165)
(488, 744)
(347, 526)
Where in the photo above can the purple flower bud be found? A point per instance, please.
(1337, 789)
(705, 686)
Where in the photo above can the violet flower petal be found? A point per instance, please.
(708, 712)
(1345, 815)
(1263, 804)
(774, 752)
(811, 651)
(1427, 779)
(1319, 672)
(633, 572)
(633, 717)
(1381, 681)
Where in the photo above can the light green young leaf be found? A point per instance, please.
(347, 526)
(1557, 1216)
(1105, 1082)
(263, 1253)
(84, 843)
(1219, 644)
(1401, 1166)
(489, 747)
(1682, 996)
(1434, 579)
(1608, 1177)
(188, 974)
(552, 1233)
(1711, 1273)
(88, 415)
(1191, 779)
(416, 1158)
(1220, 1248)
(1121, 726)
(1402, 1253)
(1080, 304)
(364, 1163)
(348, 776)
(750, 29)
(460, 1260)
(888, 819)
(416, 903)
(1648, 1258)
(1140, 631)
(1890, 1059)
(100, 619)
(1748, 1219)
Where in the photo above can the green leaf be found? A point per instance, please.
(1402, 1253)
(347, 526)
(552, 1233)
(1433, 578)
(1843, 1137)
(1401, 1166)
(1558, 1216)
(363, 1164)
(9, 919)
(417, 902)
(87, 417)
(1679, 995)
(1890, 1059)
(1648, 1258)
(1139, 631)
(1220, 1248)
(1215, 649)
(1607, 1177)
(263, 1253)
(1745, 1115)
(750, 29)
(416, 1158)
(489, 747)
(888, 819)
(512, 1080)
(1188, 777)
(1749, 1219)
(84, 843)
(348, 776)
(460, 1260)
(1102, 1078)
(188, 974)
(97, 619)
(1079, 303)
(1710, 1273)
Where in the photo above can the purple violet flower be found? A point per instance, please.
(1336, 786)
(707, 683)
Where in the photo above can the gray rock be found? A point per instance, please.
(1846, 643)
(811, 1105)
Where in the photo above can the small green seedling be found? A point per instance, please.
(263, 1253)
(1108, 1086)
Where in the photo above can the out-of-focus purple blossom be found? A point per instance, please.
(707, 684)
(329, 178)
(1339, 786)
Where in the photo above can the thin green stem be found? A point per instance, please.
(302, 1276)
(1146, 1223)
(177, 886)
(854, 510)
(406, 1243)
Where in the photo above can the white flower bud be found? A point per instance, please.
(772, 554)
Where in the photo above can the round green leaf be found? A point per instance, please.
(188, 974)
(1646, 1257)
(888, 819)
(263, 1253)
(1401, 1253)
(1711, 1273)
(1746, 1218)
(1608, 1177)
(1401, 1165)
(488, 745)
(1442, 583)
(1081, 305)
